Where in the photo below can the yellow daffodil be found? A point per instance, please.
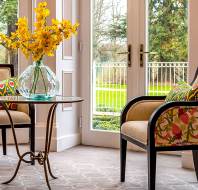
(44, 39)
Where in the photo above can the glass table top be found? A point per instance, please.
(56, 99)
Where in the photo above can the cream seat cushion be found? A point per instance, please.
(17, 117)
(136, 129)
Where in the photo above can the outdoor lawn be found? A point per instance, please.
(111, 98)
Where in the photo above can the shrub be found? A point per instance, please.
(106, 122)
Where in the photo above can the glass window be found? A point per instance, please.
(8, 15)
(109, 94)
(168, 40)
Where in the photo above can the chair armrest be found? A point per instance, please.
(141, 108)
(27, 108)
(174, 124)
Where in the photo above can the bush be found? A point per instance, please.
(106, 122)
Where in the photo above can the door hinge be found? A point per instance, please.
(80, 121)
(80, 46)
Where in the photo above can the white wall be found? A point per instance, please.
(193, 37)
(65, 64)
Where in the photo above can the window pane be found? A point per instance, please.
(168, 39)
(109, 67)
(8, 15)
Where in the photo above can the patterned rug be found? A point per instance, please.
(91, 168)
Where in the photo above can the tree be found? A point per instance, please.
(168, 34)
(168, 30)
(109, 30)
(118, 29)
(8, 11)
(8, 15)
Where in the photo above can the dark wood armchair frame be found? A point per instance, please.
(150, 146)
(31, 126)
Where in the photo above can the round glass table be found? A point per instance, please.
(42, 156)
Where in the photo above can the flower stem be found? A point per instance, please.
(38, 72)
(36, 77)
(35, 80)
(43, 81)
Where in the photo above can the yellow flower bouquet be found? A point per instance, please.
(42, 41)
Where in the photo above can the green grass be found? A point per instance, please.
(114, 101)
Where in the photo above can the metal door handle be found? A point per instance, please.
(125, 52)
(129, 55)
(142, 52)
(148, 52)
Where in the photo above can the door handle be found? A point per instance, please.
(142, 52)
(129, 55)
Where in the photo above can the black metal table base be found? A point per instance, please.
(42, 156)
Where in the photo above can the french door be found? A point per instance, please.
(128, 48)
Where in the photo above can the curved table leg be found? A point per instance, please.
(46, 176)
(18, 166)
(12, 127)
(48, 138)
(42, 157)
(48, 146)
(15, 142)
(49, 169)
(15, 173)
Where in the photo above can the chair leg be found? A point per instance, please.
(32, 140)
(195, 159)
(123, 148)
(4, 141)
(151, 169)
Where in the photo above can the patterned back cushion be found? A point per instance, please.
(8, 88)
(192, 95)
(179, 92)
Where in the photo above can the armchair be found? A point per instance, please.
(23, 117)
(156, 126)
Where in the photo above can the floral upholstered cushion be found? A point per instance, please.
(8, 88)
(177, 126)
(179, 92)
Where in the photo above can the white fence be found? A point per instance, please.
(161, 76)
(109, 87)
(109, 83)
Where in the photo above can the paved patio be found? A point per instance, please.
(91, 168)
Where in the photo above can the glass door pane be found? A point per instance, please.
(109, 66)
(167, 40)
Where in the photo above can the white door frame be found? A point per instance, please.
(25, 10)
(98, 137)
(193, 42)
(136, 36)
